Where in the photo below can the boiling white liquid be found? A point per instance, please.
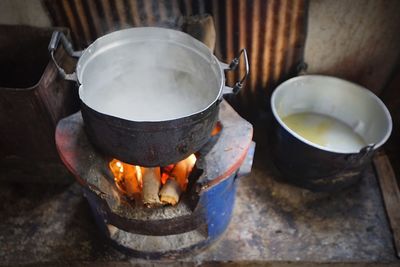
(325, 131)
(165, 94)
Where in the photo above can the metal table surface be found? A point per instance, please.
(274, 224)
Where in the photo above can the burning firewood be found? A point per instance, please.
(170, 192)
(125, 177)
(182, 171)
(131, 183)
(151, 185)
(143, 184)
(117, 169)
(178, 180)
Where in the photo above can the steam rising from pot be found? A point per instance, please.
(149, 81)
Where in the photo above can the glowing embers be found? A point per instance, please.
(153, 186)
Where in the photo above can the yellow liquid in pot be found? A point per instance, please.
(325, 131)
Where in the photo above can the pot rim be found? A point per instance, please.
(355, 86)
(198, 48)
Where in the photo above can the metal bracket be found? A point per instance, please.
(363, 154)
(54, 42)
(233, 66)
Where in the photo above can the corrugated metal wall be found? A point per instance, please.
(273, 31)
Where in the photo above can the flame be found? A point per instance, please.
(117, 169)
(119, 165)
(129, 178)
(166, 173)
(139, 175)
(217, 129)
(182, 170)
(191, 161)
(126, 177)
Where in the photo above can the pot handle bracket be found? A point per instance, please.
(364, 154)
(54, 42)
(233, 66)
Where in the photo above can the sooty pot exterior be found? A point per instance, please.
(313, 168)
(319, 167)
(149, 144)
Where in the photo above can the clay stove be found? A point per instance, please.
(203, 211)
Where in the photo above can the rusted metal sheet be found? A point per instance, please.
(89, 19)
(273, 31)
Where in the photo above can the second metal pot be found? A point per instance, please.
(149, 96)
(318, 167)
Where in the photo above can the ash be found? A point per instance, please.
(157, 243)
(141, 212)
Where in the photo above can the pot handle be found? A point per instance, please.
(363, 154)
(232, 66)
(54, 42)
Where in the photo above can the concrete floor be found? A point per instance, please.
(273, 223)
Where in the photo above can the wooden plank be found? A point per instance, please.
(391, 195)
(391, 98)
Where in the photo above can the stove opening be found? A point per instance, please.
(153, 186)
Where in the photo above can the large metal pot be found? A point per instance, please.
(323, 167)
(149, 96)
